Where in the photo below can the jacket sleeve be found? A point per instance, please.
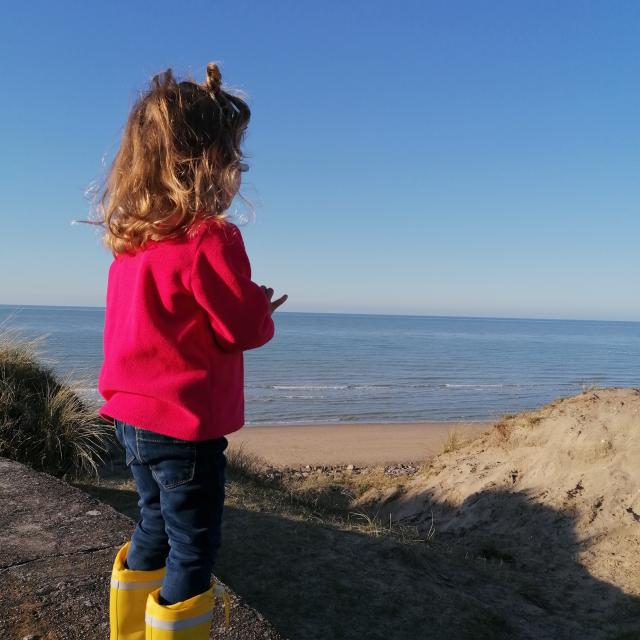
(238, 308)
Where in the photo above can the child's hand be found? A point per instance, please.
(273, 305)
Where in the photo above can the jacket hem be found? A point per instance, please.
(162, 417)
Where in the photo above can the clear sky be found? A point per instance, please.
(464, 158)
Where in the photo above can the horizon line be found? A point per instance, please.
(387, 315)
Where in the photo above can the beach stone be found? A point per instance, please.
(56, 558)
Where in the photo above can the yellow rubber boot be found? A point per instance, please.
(186, 620)
(128, 597)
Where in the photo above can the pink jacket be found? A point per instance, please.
(179, 314)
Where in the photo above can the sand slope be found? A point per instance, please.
(553, 497)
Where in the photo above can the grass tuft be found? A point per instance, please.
(245, 464)
(43, 422)
(452, 443)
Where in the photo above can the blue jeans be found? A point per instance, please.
(181, 497)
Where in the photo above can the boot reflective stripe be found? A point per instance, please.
(176, 625)
(129, 586)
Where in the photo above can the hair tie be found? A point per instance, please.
(214, 79)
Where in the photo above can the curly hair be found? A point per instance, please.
(179, 161)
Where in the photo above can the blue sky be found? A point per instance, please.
(465, 158)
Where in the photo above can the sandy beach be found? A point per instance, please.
(356, 444)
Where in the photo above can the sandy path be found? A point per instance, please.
(350, 443)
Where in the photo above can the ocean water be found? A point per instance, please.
(373, 368)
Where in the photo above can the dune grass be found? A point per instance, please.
(43, 422)
(452, 443)
(322, 497)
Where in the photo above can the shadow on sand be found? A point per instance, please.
(521, 580)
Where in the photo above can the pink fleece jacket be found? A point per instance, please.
(179, 314)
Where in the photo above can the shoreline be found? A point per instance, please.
(351, 443)
(368, 423)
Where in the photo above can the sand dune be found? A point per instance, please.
(554, 496)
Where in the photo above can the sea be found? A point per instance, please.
(353, 368)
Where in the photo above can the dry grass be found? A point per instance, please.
(321, 497)
(244, 464)
(43, 421)
(452, 443)
(503, 428)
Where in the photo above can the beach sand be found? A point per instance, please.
(358, 444)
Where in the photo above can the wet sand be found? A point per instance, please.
(358, 444)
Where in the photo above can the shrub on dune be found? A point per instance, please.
(43, 422)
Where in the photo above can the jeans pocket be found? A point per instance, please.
(172, 461)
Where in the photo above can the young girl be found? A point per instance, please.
(180, 310)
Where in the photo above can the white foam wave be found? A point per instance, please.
(477, 386)
(307, 387)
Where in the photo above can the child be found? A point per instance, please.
(180, 310)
